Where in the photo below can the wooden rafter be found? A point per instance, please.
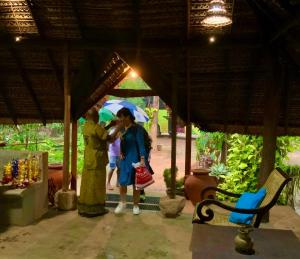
(126, 93)
(27, 83)
(285, 28)
(260, 8)
(41, 33)
(137, 26)
(109, 42)
(254, 66)
(8, 104)
(224, 103)
(101, 89)
(286, 96)
(78, 19)
(81, 31)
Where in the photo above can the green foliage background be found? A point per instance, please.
(244, 158)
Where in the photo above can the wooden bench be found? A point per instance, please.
(217, 212)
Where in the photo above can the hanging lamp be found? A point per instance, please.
(216, 15)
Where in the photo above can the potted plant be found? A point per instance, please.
(179, 183)
(220, 171)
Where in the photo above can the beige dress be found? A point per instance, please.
(92, 192)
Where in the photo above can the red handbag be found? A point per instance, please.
(143, 177)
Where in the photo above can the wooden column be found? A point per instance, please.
(67, 113)
(271, 116)
(188, 134)
(174, 136)
(74, 156)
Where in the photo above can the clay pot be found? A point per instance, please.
(194, 184)
(55, 179)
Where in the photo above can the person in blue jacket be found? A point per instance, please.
(132, 151)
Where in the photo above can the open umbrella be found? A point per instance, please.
(104, 116)
(115, 105)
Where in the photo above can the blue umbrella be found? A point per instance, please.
(115, 105)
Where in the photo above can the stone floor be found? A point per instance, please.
(67, 235)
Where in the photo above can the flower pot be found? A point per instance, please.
(196, 183)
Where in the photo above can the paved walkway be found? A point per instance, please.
(148, 236)
(160, 160)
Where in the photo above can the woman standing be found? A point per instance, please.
(92, 192)
(132, 151)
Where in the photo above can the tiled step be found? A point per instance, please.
(143, 206)
(151, 203)
(129, 198)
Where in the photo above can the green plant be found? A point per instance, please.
(243, 162)
(167, 179)
(209, 144)
(219, 170)
(150, 112)
(288, 194)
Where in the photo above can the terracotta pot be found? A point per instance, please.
(194, 184)
(55, 179)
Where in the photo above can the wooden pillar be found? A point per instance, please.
(271, 116)
(67, 113)
(74, 156)
(174, 136)
(188, 134)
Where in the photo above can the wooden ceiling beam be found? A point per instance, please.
(101, 89)
(127, 93)
(136, 28)
(8, 104)
(41, 33)
(261, 8)
(285, 28)
(226, 87)
(286, 96)
(254, 67)
(110, 43)
(27, 83)
(78, 19)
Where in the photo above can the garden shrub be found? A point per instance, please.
(243, 161)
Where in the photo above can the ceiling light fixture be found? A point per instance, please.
(18, 38)
(212, 39)
(133, 74)
(216, 15)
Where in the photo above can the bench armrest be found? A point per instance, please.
(210, 214)
(209, 188)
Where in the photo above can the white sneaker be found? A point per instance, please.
(120, 208)
(136, 210)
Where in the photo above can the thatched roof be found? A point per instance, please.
(228, 78)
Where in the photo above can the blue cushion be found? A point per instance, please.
(247, 200)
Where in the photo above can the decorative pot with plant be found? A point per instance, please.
(179, 183)
(220, 171)
(197, 182)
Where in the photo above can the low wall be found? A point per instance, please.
(24, 206)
